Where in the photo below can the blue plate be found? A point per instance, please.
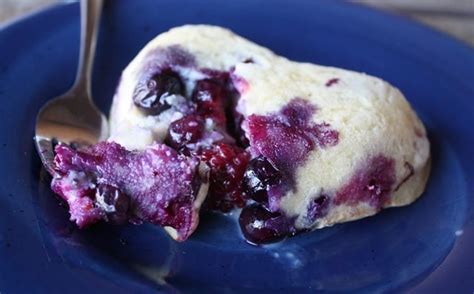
(425, 247)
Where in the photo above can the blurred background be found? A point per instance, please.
(455, 17)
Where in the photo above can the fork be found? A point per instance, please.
(73, 118)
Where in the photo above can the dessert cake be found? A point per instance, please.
(204, 119)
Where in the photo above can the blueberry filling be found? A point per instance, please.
(203, 134)
(285, 140)
(370, 184)
(209, 94)
(227, 163)
(108, 182)
(287, 137)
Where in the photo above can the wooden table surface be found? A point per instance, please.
(455, 17)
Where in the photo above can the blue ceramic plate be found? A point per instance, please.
(428, 246)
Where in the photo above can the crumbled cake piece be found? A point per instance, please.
(108, 182)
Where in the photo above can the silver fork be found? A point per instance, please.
(73, 118)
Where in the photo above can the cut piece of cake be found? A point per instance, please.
(108, 182)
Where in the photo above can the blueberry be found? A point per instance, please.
(259, 175)
(260, 226)
(184, 131)
(151, 93)
(113, 202)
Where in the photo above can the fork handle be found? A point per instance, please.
(90, 18)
